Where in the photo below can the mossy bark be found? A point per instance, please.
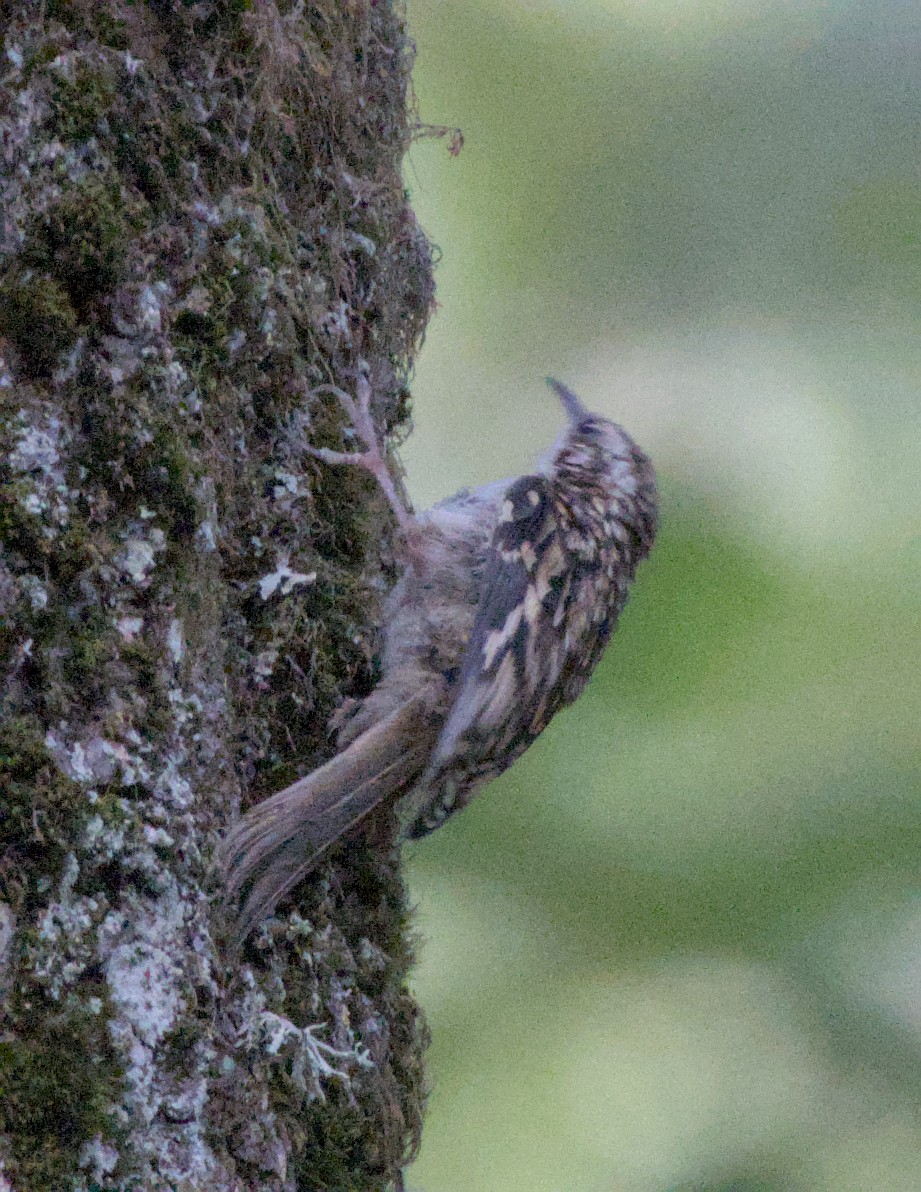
(202, 222)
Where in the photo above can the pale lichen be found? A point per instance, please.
(36, 459)
(284, 579)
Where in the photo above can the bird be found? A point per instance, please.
(507, 600)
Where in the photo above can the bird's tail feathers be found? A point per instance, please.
(279, 841)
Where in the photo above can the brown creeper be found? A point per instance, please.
(507, 602)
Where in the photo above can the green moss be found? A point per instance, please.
(111, 30)
(360, 1138)
(167, 481)
(77, 551)
(128, 439)
(226, 16)
(23, 757)
(145, 661)
(37, 802)
(202, 333)
(37, 315)
(57, 1082)
(64, 11)
(72, 656)
(82, 99)
(83, 238)
(89, 648)
(21, 743)
(44, 52)
(20, 530)
(195, 325)
(149, 152)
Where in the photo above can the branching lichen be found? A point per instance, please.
(203, 223)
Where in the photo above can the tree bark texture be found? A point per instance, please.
(202, 222)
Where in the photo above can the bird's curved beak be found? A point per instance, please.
(574, 408)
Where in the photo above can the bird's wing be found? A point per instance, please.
(514, 672)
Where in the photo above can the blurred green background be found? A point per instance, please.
(678, 946)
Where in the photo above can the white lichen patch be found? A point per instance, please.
(37, 455)
(311, 1059)
(284, 579)
(132, 64)
(146, 987)
(175, 641)
(7, 934)
(71, 362)
(264, 663)
(91, 763)
(63, 945)
(35, 590)
(119, 359)
(153, 956)
(286, 485)
(204, 536)
(366, 244)
(151, 302)
(141, 955)
(129, 627)
(102, 841)
(137, 557)
(189, 1098)
(175, 381)
(235, 341)
(198, 301)
(187, 706)
(157, 837)
(64, 63)
(172, 788)
(336, 323)
(100, 1157)
(267, 326)
(94, 763)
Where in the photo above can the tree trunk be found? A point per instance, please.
(202, 222)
